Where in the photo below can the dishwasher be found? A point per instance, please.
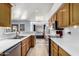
(14, 51)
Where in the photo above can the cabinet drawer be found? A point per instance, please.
(62, 52)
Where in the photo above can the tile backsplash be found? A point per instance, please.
(2, 30)
(72, 30)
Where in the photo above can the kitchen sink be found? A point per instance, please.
(18, 37)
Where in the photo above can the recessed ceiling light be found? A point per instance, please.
(75, 26)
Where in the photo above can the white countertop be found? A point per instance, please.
(70, 43)
(7, 43)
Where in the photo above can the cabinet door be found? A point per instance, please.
(74, 13)
(54, 49)
(62, 52)
(27, 44)
(50, 22)
(5, 14)
(54, 17)
(52, 53)
(33, 41)
(60, 18)
(23, 49)
(55, 52)
(65, 15)
(30, 41)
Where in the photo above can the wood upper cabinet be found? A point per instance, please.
(60, 18)
(5, 14)
(63, 15)
(74, 13)
(67, 15)
(50, 22)
(54, 17)
(27, 43)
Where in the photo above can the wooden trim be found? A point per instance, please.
(71, 14)
(9, 4)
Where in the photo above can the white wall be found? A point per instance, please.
(27, 24)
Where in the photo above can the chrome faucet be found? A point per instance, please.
(17, 33)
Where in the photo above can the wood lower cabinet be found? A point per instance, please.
(57, 50)
(25, 46)
(62, 52)
(33, 39)
(27, 43)
(5, 14)
(54, 49)
(22, 48)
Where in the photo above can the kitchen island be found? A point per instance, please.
(26, 43)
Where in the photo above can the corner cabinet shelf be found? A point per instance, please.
(5, 14)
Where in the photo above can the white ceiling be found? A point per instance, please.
(30, 11)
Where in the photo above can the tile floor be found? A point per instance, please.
(40, 49)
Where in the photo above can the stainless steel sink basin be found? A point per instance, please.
(18, 37)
